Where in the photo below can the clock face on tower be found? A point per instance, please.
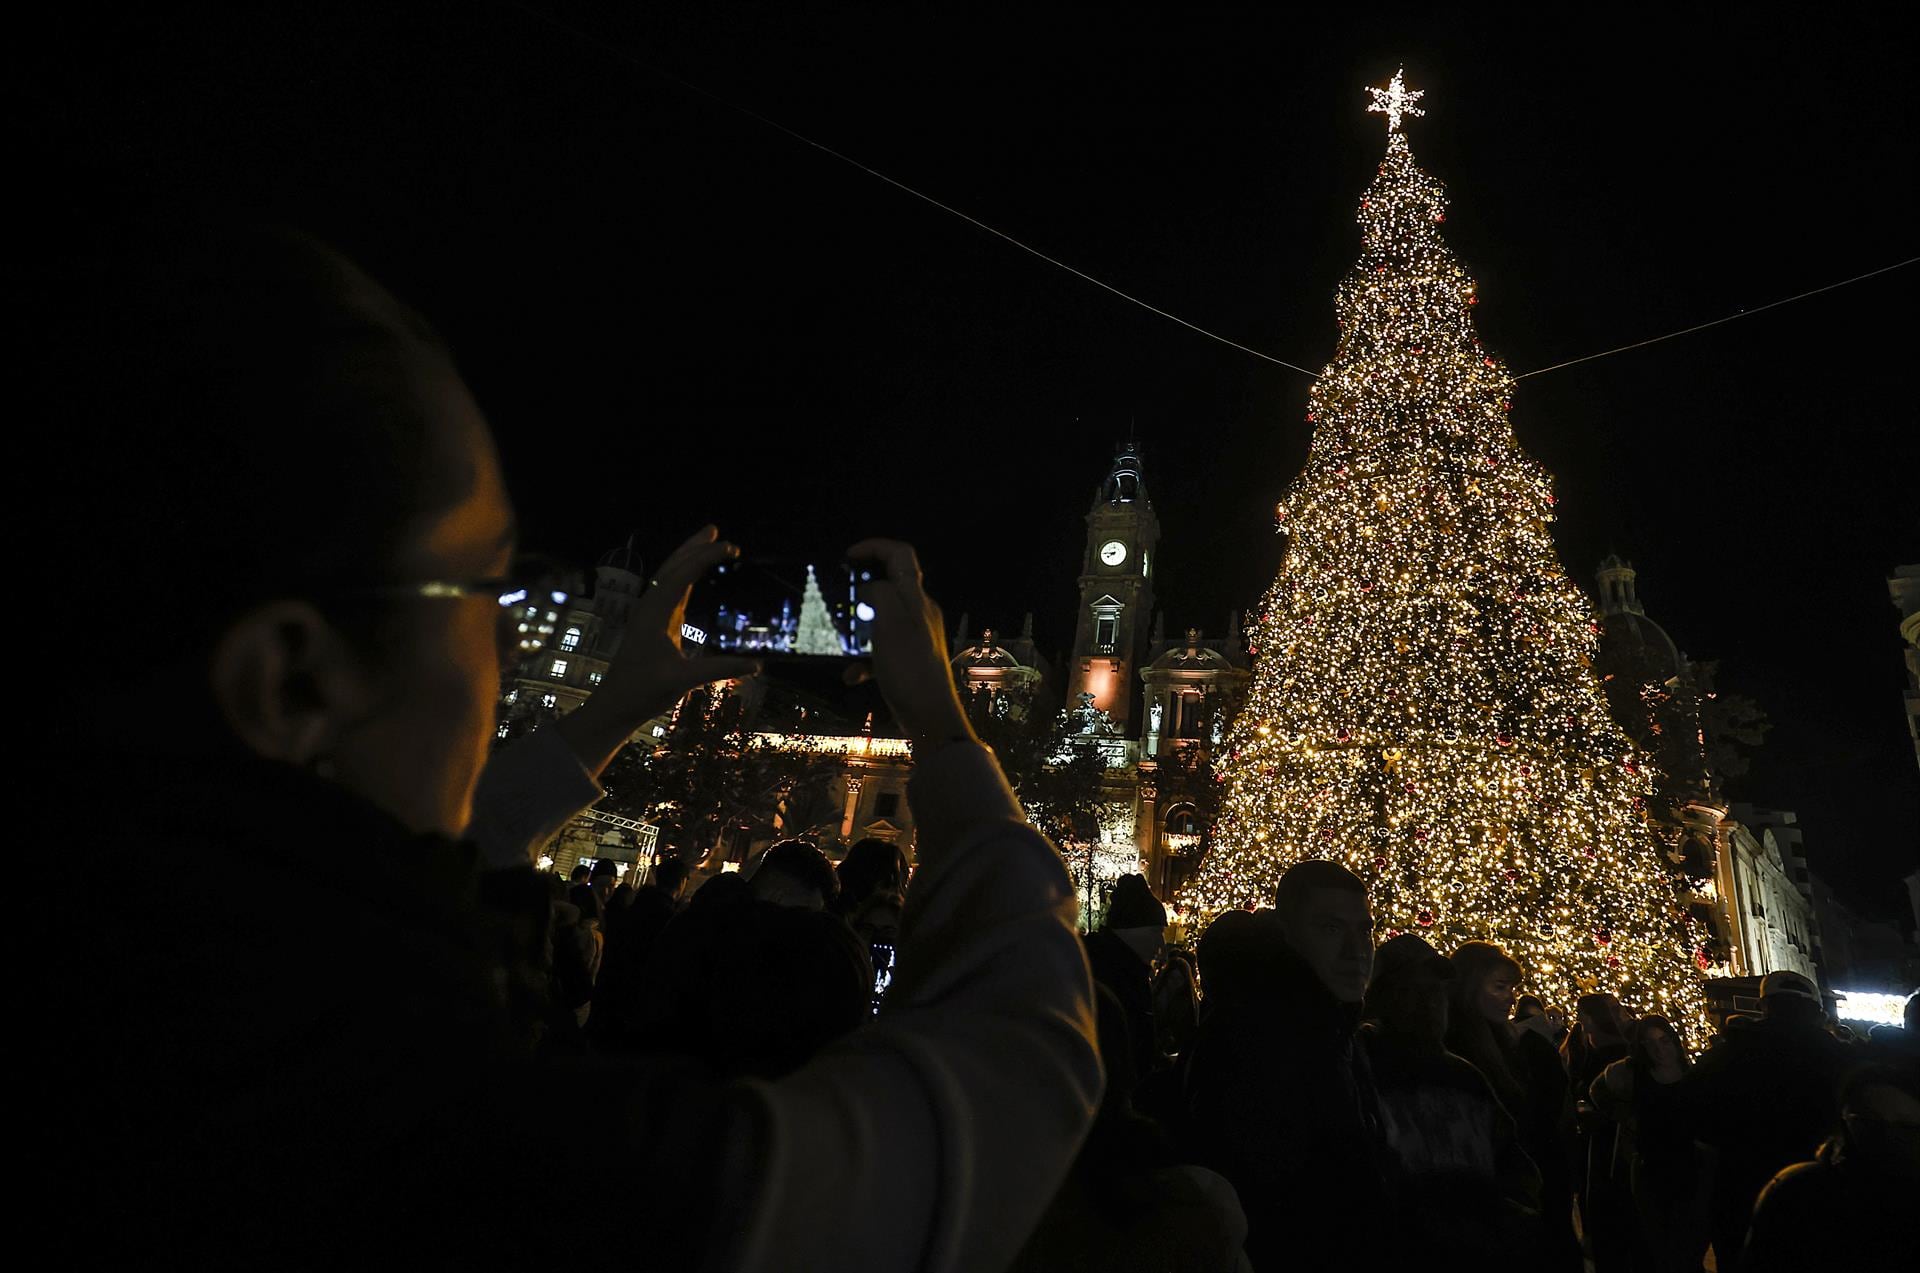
(1113, 552)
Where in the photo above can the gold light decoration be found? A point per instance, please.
(1423, 709)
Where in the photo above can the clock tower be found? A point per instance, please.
(1116, 593)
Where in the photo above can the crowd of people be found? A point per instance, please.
(337, 1016)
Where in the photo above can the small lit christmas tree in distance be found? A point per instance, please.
(816, 634)
(1424, 709)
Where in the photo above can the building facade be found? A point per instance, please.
(1904, 587)
(1740, 868)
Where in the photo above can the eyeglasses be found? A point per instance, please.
(530, 596)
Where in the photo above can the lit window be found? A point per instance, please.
(596, 677)
(558, 670)
(1106, 631)
(549, 700)
(513, 696)
(570, 639)
(502, 731)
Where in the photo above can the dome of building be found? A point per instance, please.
(1627, 635)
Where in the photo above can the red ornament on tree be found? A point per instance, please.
(1425, 918)
(1603, 935)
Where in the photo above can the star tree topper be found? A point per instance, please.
(1394, 101)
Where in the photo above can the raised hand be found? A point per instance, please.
(652, 670)
(910, 659)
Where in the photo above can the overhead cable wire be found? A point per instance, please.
(1745, 313)
(904, 187)
(630, 58)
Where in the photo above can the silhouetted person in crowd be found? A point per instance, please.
(670, 875)
(1597, 1038)
(1279, 1098)
(632, 934)
(873, 884)
(1526, 1075)
(303, 515)
(1122, 952)
(1852, 1206)
(1462, 1182)
(1176, 1002)
(872, 871)
(1129, 1205)
(1531, 1015)
(603, 879)
(1765, 1098)
(796, 873)
(1664, 1173)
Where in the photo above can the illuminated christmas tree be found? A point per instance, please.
(1424, 709)
(816, 634)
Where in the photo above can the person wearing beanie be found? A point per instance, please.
(1122, 953)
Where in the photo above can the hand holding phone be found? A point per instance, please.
(910, 658)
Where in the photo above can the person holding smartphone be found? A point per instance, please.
(297, 1049)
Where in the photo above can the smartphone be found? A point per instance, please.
(792, 604)
(802, 617)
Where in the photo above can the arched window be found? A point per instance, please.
(1182, 830)
(570, 639)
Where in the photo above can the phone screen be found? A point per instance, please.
(798, 605)
(801, 618)
(882, 971)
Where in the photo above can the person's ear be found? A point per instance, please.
(286, 682)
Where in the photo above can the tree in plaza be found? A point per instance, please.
(1056, 766)
(1424, 709)
(711, 774)
(816, 634)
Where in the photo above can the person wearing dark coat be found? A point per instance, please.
(1851, 1207)
(1765, 1098)
(1279, 1099)
(1464, 1182)
(1129, 1205)
(303, 1041)
(1525, 1072)
(1121, 953)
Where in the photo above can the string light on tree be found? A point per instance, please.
(1394, 101)
(1424, 709)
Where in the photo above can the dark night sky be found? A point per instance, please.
(673, 313)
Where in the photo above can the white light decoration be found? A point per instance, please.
(1423, 708)
(1394, 101)
(1870, 1006)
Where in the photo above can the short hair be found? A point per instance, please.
(1229, 955)
(581, 871)
(172, 351)
(1305, 877)
(1473, 960)
(602, 868)
(803, 862)
(670, 873)
(1527, 1005)
(869, 862)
